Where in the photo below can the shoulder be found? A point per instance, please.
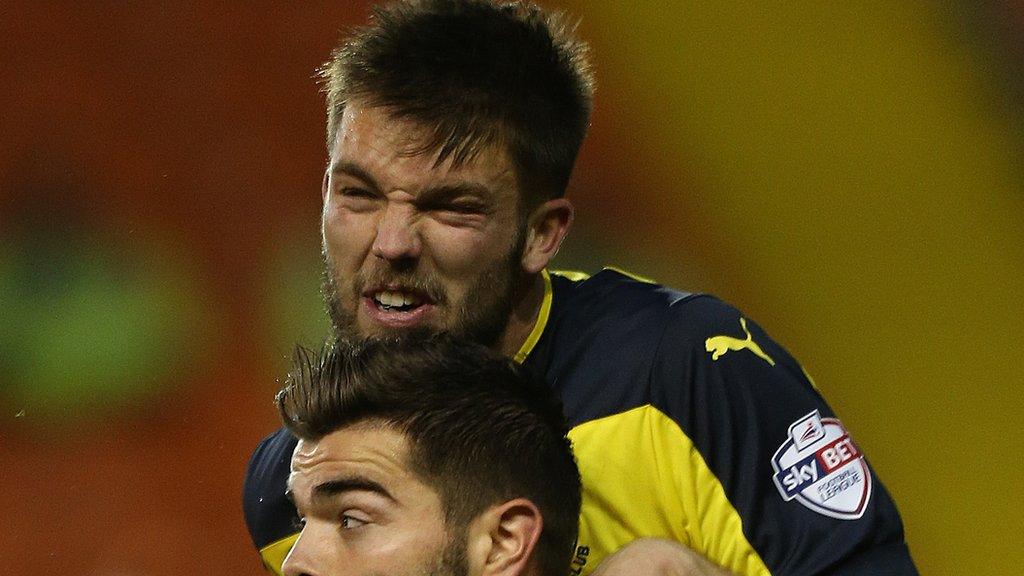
(624, 307)
(268, 513)
(607, 332)
(612, 304)
(713, 355)
(616, 341)
(270, 455)
(612, 294)
(612, 286)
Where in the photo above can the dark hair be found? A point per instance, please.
(482, 430)
(475, 73)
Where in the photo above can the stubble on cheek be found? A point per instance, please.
(343, 321)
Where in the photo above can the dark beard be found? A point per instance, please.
(482, 318)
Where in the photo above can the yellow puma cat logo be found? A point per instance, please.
(719, 345)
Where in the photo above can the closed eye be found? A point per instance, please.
(358, 200)
(357, 193)
(468, 208)
(457, 199)
(461, 206)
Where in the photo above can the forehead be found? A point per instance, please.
(367, 449)
(393, 150)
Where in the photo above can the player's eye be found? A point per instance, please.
(356, 193)
(464, 208)
(349, 522)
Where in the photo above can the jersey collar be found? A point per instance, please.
(542, 321)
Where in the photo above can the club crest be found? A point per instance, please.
(821, 468)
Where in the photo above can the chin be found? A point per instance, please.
(377, 331)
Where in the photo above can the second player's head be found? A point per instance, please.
(428, 457)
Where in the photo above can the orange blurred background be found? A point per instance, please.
(850, 176)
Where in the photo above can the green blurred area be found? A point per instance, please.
(292, 303)
(92, 327)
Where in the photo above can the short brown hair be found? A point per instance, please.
(482, 430)
(475, 73)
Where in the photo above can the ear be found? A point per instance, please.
(546, 227)
(326, 183)
(503, 538)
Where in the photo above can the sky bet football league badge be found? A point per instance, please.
(821, 467)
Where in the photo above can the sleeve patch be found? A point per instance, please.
(820, 467)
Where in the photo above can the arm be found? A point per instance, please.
(795, 490)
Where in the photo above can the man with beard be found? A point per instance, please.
(453, 126)
(427, 458)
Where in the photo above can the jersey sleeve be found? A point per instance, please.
(269, 515)
(807, 499)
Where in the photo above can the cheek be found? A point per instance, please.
(347, 237)
(398, 549)
(460, 254)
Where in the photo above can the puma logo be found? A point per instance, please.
(719, 345)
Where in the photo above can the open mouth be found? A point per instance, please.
(397, 307)
(397, 300)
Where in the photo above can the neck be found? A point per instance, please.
(524, 315)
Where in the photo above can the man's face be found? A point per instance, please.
(408, 245)
(364, 511)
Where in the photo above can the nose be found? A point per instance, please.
(302, 559)
(397, 238)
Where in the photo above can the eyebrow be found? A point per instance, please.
(342, 485)
(350, 168)
(353, 484)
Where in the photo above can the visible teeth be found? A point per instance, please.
(396, 299)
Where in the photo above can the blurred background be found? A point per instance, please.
(849, 175)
